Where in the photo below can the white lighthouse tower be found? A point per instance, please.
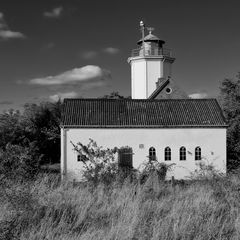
(149, 63)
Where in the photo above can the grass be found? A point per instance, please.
(45, 209)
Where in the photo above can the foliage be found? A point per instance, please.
(37, 125)
(114, 95)
(18, 163)
(151, 167)
(43, 210)
(99, 164)
(205, 172)
(230, 102)
(43, 122)
(12, 128)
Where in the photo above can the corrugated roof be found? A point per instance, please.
(110, 113)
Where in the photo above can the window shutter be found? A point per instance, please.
(125, 157)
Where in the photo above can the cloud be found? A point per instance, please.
(59, 96)
(6, 33)
(55, 13)
(89, 54)
(6, 102)
(49, 45)
(111, 50)
(83, 75)
(198, 95)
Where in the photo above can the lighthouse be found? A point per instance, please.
(150, 64)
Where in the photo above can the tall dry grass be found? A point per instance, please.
(45, 209)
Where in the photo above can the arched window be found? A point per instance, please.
(182, 153)
(167, 154)
(152, 153)
(198, 153)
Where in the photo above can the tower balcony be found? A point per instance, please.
(151, 52)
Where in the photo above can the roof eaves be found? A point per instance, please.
(145, 126)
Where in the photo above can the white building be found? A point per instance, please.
(159, 122)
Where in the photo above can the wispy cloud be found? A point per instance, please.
(54, 13)
(89, 55)
(6, 102)
(111, 50)
(49, 45)
(198, 95)
(6, 33)
(60, 96)
(76, 76)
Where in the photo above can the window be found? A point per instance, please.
(198, 153)
(182, 153)
(167, 154)
(152, 154)
(168, 90)
(125, 157)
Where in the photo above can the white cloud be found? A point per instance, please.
(55, 13)
(60, 96)
(75, 76)
(198, 95)
(6, 33)
(111, 50)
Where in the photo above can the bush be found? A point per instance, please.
(152, 167)
(18, 163)
(205, 172)
(100, 165)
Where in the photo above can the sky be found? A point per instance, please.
(77, 48)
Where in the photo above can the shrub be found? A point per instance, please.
(152, 167)
(205, 172)
(100, 164)
(18, 163)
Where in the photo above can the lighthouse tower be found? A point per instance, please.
(150, 63)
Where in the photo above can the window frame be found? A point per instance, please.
(198, 153)
(152, 154)
(182, 153)
(167, 154)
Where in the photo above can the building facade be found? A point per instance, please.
(159, 122)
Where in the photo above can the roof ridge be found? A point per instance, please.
(143, 100)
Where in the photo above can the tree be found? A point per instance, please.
(43, 123)
(11, 128)
(38, 127)
(114, 95)
(230, 102)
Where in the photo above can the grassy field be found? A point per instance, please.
(45, 209)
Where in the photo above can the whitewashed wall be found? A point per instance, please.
(212, 142)
(138, 79)
(145, 73)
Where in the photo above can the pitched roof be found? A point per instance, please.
(142, 113)
(161, 86)
(150, 38)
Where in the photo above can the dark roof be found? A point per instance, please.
(151, 38)
(161, 86)
(134, 113)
